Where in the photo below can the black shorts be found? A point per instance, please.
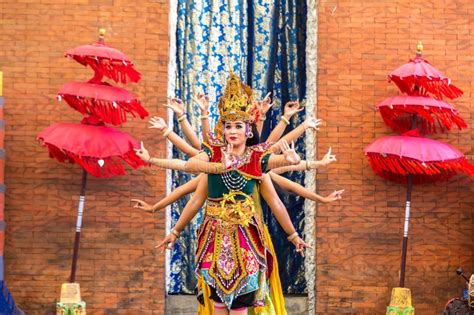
(245, 300)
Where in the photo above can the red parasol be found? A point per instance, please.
(109, 103)
(100, 150)
(107, 61)
(409, 158)
(397, 112)
(395, 157)
(419, 77)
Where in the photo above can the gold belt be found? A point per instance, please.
(232, 210)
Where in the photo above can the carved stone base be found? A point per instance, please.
(70, 302)
(400, 303)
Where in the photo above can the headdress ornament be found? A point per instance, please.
(235, 104)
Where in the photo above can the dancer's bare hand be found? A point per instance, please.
(289, 152)
(143, 153)
(202, 101)
(264, 105)
(300, 245)
(140, 204)
(157, 123)
(292, 108)
(167, 242)
(228, 157)
(312, 122)
(328, 158)
(176, 105)
(334, 196)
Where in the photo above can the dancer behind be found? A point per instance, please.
(233, 256)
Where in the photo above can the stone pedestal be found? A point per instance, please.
(400, 303)
(70, 302)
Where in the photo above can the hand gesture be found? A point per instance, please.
(264, 105)
(176, 105)
(167, 242)
(142, 153)
(140, 204)
(334, 196)
(227, 157)
(312, 122)
(300, 245)
(289, 152)
(203, 103)
(328, 158)
(157, 123)
(292, 108)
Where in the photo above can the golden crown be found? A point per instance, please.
(237, 101)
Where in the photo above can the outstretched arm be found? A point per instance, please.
(203, 103)
(160, 124)
(291, 136)
(281, 214)
(307, 165)
(302, 191)
(177, 106)
(291, 108)
(189, 211)
(176, 194)
(197, 164)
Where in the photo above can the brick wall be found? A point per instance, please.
(118, 270)
(359, 240)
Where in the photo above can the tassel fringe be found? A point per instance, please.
(112, 165)
(116, 70)
(429, 118)
(106, 110)
(396, 169)
(436, 87)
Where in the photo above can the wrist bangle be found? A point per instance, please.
(182, 117)
(204, 117)
(286, 121)
(292, 236)
(175, 233)
(307, 165)
(149, 161)
(167, 132)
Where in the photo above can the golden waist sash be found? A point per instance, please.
(231, 210)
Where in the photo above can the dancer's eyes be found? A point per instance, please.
(239, 126)
(228, 126)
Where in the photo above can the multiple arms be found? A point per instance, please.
(175, 195)
(296, 188)
(189, 211)
(281, 214)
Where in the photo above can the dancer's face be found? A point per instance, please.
(235, 132)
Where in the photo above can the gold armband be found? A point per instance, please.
(286, 121)
(292, 236)
(167, 132)
(175, 233)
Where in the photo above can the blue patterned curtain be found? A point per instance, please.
(263, 42)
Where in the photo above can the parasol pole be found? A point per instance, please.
(407, 217)
(77, 238)
(405, 231)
